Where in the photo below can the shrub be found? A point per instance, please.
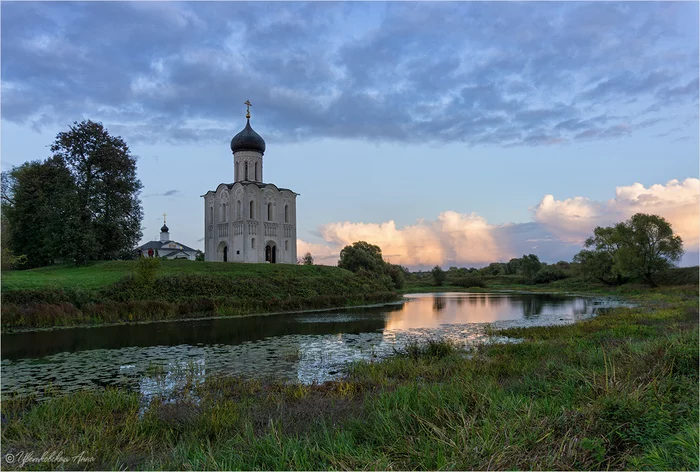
(678, 276)
(549, 274)
(146, 270)
(468, 281)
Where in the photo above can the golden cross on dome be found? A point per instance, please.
(163, 218)
(247, 108)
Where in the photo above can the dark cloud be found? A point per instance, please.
(496, 73)
(169, 193)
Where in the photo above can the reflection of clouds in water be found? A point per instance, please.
(295, 357)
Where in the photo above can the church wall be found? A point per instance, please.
(224, 224)
(208, 228)
(252, 158)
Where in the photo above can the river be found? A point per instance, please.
(154, 358)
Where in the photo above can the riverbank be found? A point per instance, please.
(113, 292)
(619, 391)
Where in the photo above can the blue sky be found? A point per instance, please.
(436, 130)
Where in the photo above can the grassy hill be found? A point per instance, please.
(101, 274)
(109, 292)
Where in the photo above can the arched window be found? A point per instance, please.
(257, 176)
(286, 213)
(222, 217)
(252, 243)
(286, 245)
(211, 214)
(269, 212)
(246, 171)
(252, 209)
(240, 171)
(238, 209)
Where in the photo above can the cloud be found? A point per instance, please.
(497, 73)
(573, 219)
(558, 232)
(452, 237)
(169, 193)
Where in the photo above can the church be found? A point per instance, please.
(248, 220)
(166, 247)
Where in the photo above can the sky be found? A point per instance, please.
(451, 134)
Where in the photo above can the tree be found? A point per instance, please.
(361, 255)
(39, 212)
(601, 261)
(397, 274)
(308, 259)
(106, 187)
(198, 255)
(648, 246)
(8, 259)
(495, 268)
(438, 275)
(639, 247)
(598, 265)
(529, 266)
(513, 266)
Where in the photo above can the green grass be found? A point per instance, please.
(115, 292)
(101, 274)
(619, 391)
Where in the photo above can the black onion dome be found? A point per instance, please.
(248, 140)
(164, 229)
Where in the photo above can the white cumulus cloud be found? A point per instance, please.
(558, 232)
(573, 219)
(451, 238)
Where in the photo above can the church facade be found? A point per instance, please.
(249, 220)
(166, 247)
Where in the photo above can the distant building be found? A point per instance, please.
(248, 220)
(166, 248)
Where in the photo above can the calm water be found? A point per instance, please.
(307, 347)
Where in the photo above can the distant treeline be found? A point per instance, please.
(642, 249)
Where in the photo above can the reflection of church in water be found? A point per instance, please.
(248, 220)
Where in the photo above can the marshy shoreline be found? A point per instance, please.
(615, 391)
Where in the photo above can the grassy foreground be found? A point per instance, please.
(619, 391)
(111, 292)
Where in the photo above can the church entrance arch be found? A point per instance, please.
(271, 252)
(222, 252)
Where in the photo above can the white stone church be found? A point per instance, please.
(248, 220)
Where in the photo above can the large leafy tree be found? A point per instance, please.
(39, 208)
(649, 246)
(361, 255)
(107, 189)
(639, 248)
(367, 258)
